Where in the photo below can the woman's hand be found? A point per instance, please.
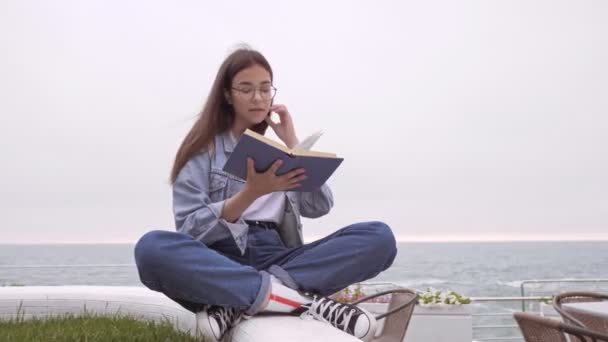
(266, 182)
(284, 129)
(259, 184)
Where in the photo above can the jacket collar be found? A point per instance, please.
(227, 141)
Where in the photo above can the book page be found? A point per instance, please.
(314, 154)
(303, 152)
(266, 140)
(307, 143)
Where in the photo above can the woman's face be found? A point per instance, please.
(251, 95)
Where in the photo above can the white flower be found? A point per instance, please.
(434, 297)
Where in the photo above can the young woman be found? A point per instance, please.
(238, 249)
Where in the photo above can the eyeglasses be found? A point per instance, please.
(266, 92)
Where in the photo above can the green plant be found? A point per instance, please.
(347, 295)
(437, 297)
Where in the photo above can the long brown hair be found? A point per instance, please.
(217, 115)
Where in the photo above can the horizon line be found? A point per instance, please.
(419, 239)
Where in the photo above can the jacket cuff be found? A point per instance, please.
(238, 229)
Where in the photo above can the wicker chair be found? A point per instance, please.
(578, 317)
(397, 316)
(541, 329)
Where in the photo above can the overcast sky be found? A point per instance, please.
(457, 120)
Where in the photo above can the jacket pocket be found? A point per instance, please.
(217, 187)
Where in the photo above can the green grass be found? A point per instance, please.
(90, 328)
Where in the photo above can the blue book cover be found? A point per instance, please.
(319, 166)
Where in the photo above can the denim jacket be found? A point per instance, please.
(202, 187)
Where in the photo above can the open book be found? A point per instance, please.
(319, 166)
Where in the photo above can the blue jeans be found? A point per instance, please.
(195, 275)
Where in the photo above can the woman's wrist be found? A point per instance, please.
(236, 205)
(249, 194)
(292, 142)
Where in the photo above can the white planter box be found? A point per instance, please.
(434, 324)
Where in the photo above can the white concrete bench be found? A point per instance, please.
(139, 302)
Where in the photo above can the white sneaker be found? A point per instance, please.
(349, 318)
(214, 322)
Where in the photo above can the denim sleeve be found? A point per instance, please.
(195, 214)
(316, 203)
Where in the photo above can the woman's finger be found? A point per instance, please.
(250, 166)
(295, 173)
(293, 186)
(294, 176)
(271, 123)
(275, 166)
(298, 179)
(278, 108)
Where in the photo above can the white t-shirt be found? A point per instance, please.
(269, 207)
